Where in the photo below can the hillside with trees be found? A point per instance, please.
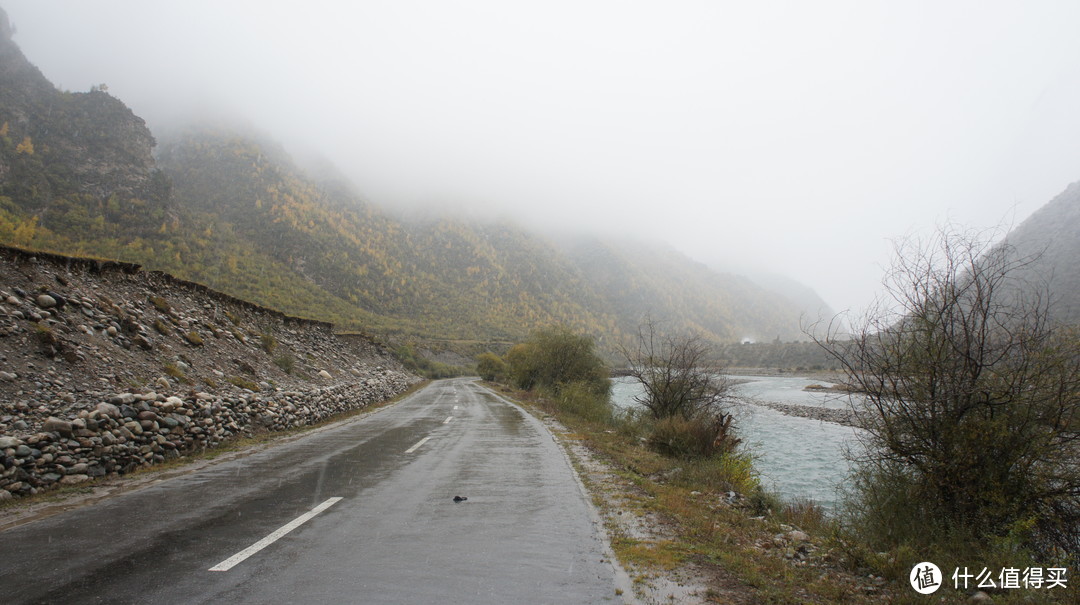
(81, 174)
(1051, 234)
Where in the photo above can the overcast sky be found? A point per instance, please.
(798, 137)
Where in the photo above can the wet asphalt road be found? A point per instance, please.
(526, 534)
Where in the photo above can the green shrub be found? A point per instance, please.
(556, 356)
(45, 334)
(194, 338)
(763, 503)
(268, 342)
(731, 471)
(490, 366)
(579, 399)
(702, 436)
(162, 327)
(423, 366)
(243, 383)
(173, 370)
(805, 514)
(286, 362)
(160, 304)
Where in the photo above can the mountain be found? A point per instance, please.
(636, 279)
(450, 278)
(70, 162)
(1053, 233)
(229, 208)
(813, 311)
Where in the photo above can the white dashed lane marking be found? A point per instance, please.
(417, 446)
(232, 561)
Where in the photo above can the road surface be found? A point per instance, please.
(363, 512)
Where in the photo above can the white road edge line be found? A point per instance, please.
(448, 419)
(232, 561)
(418, 444)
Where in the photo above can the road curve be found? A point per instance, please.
(363, 512)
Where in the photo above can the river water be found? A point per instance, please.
(796, 457)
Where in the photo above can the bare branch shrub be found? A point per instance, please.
(971, 400)
(688, 399)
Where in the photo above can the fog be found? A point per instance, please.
(794, 137)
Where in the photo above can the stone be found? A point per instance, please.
(325, 374)
(108, 409)
(6, 442)
(8, 376)
(78, 469)
(23, 451)
(797, 536)
(56, 425)
(74, 479)
(122, 398)
(162, 383)
(45, 301)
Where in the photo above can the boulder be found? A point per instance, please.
(108, 409)
(55, 425)
(797, 536)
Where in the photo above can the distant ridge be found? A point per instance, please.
(231, 209)
(1053, 232)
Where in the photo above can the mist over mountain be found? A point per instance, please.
(1052, 233)
(229, 207)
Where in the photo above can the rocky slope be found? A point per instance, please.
(105, 367)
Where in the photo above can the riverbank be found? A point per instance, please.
(684, 537)
(812, 412)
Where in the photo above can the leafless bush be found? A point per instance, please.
(972, 396)
(687, 399)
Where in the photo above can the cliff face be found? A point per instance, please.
(69, 153)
